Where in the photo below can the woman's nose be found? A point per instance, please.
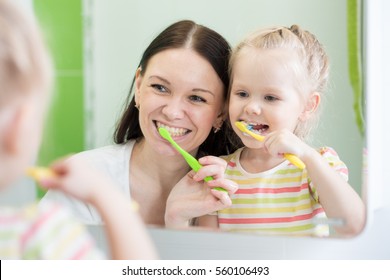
(174, 110)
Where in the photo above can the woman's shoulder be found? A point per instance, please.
(106, 151)
(115, 154)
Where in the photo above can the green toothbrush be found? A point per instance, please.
(192, 162)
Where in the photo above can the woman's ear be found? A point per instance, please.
(311, 106)
(138, 81)
(219, 121)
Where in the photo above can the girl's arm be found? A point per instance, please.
(337, 197)
(126, 233)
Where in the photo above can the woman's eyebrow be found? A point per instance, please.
(168, 83)
(203, 90)
(160, 78)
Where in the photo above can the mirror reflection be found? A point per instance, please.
(113, 59)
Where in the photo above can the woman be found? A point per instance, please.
(181, 84)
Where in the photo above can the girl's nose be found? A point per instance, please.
(253, 108)
(173, 110)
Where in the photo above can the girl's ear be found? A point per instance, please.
(12, 129)
(311, 106)
(138, 81)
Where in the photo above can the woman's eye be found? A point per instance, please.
(197, 98)
(159, 88)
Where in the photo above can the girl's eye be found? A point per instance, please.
(197, 98)
(159, 87)
(242, 94)
(270, 98)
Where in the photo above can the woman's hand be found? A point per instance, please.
(192, 197)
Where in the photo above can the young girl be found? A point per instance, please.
(48, 231)
(278, 76)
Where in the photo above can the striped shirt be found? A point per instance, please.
(44, 231)
(281, 200)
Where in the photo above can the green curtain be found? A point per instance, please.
(355, 60)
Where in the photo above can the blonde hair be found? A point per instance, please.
(25, 65)
(313, 60)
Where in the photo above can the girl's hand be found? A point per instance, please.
(76, 178)
(281, 142)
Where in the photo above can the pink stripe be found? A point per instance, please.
(231, 164)
(343, 170)
(38, 224)
(272, 190)
(10, 219)
(83, 250)
(270, 220)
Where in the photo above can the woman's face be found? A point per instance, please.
(179, 91)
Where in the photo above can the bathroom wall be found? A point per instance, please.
(372, 243)
(118, 31)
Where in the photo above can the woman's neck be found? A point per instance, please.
(159, 167)
(152, 177)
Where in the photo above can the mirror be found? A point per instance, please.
(118, 33)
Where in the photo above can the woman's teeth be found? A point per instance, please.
(173, 131)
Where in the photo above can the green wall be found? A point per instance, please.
(61, 21)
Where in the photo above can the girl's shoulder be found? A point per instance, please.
(329, 154)
(233, 155)
(333, 159)
(50, 231)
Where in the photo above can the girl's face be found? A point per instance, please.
(265, 92)
(179, 91)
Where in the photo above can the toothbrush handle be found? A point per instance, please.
(209, 178)
(295, 160)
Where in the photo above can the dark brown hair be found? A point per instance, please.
(211, 46)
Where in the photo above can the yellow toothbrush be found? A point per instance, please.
(292, 158)
(38, 173)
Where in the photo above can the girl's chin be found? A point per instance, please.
(255, 146)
